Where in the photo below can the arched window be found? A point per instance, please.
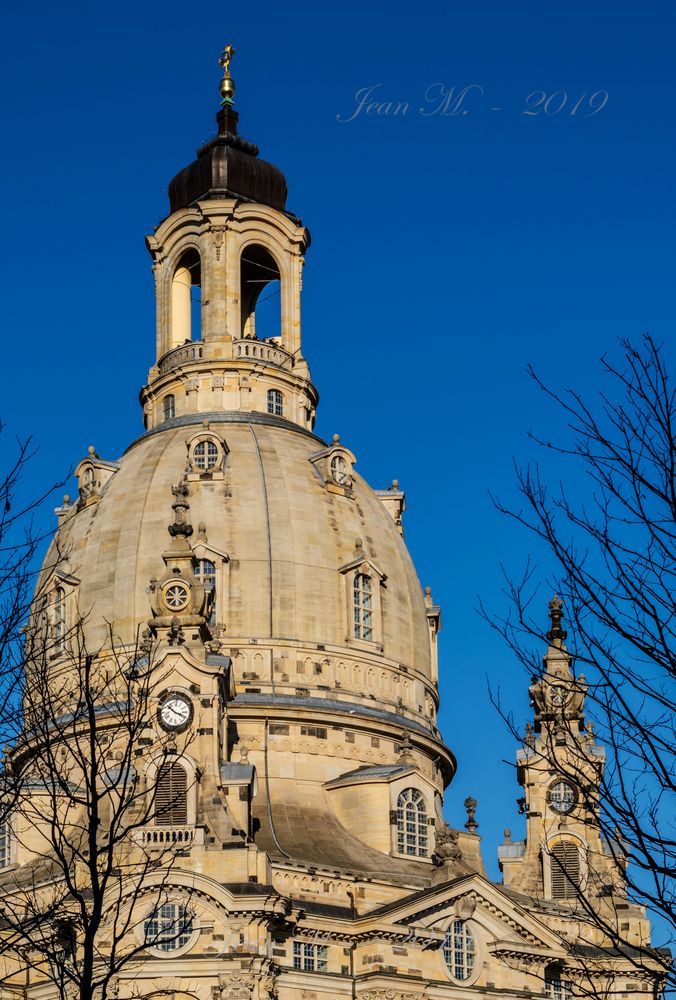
(169, 407)
(4, 844)
(169, 927)
(412, 823)
(171, 795)
(565, 870)
(339, 470)
(459, 950)
(186, 299)
(58, 619)
(205, 455)
(275, 402)
(205, 571)
(363, 607)
(556, 988)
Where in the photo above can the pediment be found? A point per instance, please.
(511, 929)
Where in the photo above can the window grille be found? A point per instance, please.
(565, 870)
(171, 795)
(310, 957)
(412, 827)
(205, 571)
(4, 845)
(169, 927)
(459, 950)
(58, 619)
(363, 607)
(205, 455)
(556, 988)
(169, 408)
(339, 470)
(562, 797)
(275, 402)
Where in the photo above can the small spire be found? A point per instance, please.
(227, 87)
(556, 632)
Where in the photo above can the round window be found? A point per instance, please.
(176, 596)
(459, 950)
(562, 797)
(169, 927)
(205, 455)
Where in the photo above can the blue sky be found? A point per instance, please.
(449, 251)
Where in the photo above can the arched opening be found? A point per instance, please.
(261, 295)
(565, 870)
(171, 795)
(186, 300)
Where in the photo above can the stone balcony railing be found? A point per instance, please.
(262, 350)
(247, 349)
(167, 836)
(182, 355)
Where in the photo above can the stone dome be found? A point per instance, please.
(285, 537)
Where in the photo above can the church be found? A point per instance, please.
(292, 844)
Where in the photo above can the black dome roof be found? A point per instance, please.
(228, 167)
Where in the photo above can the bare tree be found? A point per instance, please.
(609, 530)
(20, 542)
(92, 791)
(93, 840)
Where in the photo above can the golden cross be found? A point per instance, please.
(226, 58)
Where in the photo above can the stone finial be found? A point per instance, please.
(336, 439)
(395, 485)
(202, 531)
(91, 450)
(470, 805)
(528, 736)
(446, 847)
(507, 833)
(66, 499)
(405, 748)
(556, 633)
(180, 507)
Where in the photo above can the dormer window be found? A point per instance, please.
(169, 407)
(205, 455)
(275, 402)
(412, 838)
(339, 472)
(363, 607)
(87, 482)
(205, 571)
(58, 619)
(4, 845)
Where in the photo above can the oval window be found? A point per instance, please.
(459, 950)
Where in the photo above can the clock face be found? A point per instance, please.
(562, 797)
(175, 712)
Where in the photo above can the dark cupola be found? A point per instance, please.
(227, 166)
